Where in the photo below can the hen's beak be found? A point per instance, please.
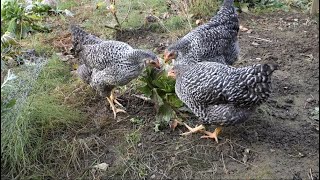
(157, 64)
(171, 74)
(166, 56)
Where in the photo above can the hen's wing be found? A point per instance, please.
(84, 73)
(105, 54)
(209, 83)
(119, 74)
(226, 114)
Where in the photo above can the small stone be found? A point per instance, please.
(153, 176)
(258, 59)
(255, 44)
(272, 150)
(309, 100)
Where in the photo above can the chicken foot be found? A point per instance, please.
(212, 135)
(192, 130)
(112, 99)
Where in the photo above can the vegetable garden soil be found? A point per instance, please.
(280, 140)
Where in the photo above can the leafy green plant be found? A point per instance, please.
(18, 21)
(40, 8)
(161, 89)
(10, 48)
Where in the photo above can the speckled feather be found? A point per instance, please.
(220, 94)
(214, 41)
(107, 64)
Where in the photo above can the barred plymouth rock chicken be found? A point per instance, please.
(214, 41)
(108, 64)
(220, 94)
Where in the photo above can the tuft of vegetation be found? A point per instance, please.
(30, 124)
(204, 8)
(17, 19)
(10, 47)
(161, 89)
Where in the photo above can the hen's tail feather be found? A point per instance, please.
(268, 69)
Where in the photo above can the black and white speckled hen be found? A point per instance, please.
(220, 94)
(215, 41)
(108, 64)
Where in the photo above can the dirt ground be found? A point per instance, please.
(280, 140)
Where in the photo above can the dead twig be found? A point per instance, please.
(261, 39)
(224, 165)
(161, 23)
(310, 174)
(142, 97)
(246, 164)
(114, 28)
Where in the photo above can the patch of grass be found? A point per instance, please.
(66, 4)
(175, 23)
(25, 138)
(40, 43)
(130, 163)
(135, 20)
(133, 138)
(204, 8)
(54, 74)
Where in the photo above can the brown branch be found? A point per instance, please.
(114, 28)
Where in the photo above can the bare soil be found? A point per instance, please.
(280, 140)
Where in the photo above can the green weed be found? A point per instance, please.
(26, 136)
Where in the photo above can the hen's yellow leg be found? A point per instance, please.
(114, 109)
(212, 135)
(192, 130)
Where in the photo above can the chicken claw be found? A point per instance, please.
(114, 99)
(192, 130)
(212, 135)
(114, 109)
